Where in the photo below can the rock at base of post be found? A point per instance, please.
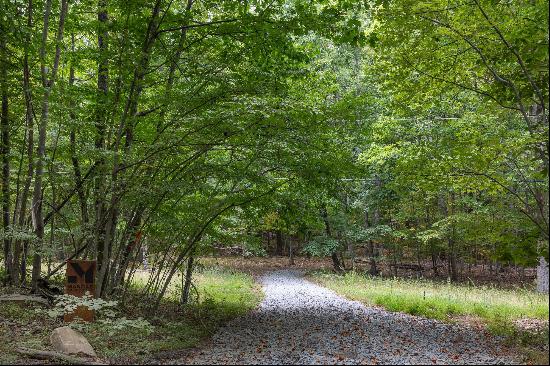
(71, 342)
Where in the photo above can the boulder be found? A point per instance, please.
(71, 342)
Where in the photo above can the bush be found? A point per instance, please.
(105, 312)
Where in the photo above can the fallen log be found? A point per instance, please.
(49, 355)
(414, 267)
(24, 298)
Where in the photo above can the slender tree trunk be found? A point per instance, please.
(334, 256)
(433, 252)
(451, 259)
(190, 247)
(5, 149)
(434, 262)
(376, 221)
(453, 272)
(279, 243)
(126, 127)
(37, 217)
(342, 260)
(129, 243)
(290, 252)
(72, 147)
(29, 121)
(100, 124)
(373, 270)
(452, 245)
(188, 279)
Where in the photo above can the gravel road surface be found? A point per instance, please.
(299, 322)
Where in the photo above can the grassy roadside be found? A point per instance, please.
(223, 295)
(498, 309)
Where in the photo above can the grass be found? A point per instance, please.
(497, 309)
(223, 295)
(438, 300)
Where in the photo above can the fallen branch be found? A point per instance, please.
(23, 298)
(47, 355)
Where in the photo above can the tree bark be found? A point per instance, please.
(451, 260)
(21, 268)
(72, 148)
(100, 125)
(434, 263)
(29, 120)
(373, 270)
(37, 216)
(188, 278)
(5, 149)
(279, 243)
(290, 252)
(334, 255)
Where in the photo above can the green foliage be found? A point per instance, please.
(66, 304)
(104, 314)
(476, 46)
(322, 246)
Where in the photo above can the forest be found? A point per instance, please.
(377, 138)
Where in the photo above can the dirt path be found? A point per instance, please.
(301, 323)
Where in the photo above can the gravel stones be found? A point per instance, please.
(301, 323)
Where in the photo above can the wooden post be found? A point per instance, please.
(80, 281)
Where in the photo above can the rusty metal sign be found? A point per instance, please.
(80, 280)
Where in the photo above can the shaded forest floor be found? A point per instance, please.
(175, 329)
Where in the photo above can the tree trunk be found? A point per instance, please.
(290, 253)
(72, 148)
(373, 270)
(453, 273)
(29, 141)
(334, 256)
(434, 262)
(336, 262)
(29, 120)
(188, 279)
(37, 217)
(279, 243)
(451, 258)
(342, 260)
(100, 125)
(5, 149)
(128, 244)
(126, 127)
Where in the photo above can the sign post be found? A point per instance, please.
(80, 280)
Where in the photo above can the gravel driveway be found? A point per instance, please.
(301, 323)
